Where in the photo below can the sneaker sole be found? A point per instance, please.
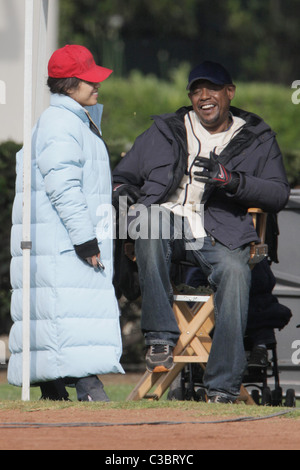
(256, 366)
(159, 369)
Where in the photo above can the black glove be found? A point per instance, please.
(215, 173)
(133, 194)
(88, 249)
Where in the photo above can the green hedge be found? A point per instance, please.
(129, 104)
(7, 190)
(274, 104)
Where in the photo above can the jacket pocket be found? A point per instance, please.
(65, 245)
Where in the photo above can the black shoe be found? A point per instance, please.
(220, 399)
(54, 390)
(259, 358)
(91, 389)
(159, 358)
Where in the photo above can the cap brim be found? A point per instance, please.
(210, 79)
(96, 74)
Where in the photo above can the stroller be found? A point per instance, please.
(265, 315)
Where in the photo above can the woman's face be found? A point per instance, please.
(86, 94)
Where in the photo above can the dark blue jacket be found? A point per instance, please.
(158, 160)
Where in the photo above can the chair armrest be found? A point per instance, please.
(259, 251)
(259, 221)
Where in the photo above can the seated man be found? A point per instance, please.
(226, 160)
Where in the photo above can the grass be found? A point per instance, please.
(117, 393)
(10, 400)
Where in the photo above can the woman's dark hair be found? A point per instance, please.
(62, 86)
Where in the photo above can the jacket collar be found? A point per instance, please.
(172, 125)
(254, 123)
(65, 102)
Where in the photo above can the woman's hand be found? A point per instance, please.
(95, 261)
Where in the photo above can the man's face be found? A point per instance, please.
(211, 103)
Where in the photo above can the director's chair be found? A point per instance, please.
(194, 312)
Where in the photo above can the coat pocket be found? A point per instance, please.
(65, 246)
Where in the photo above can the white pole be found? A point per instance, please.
(41, 61)
(26, 243)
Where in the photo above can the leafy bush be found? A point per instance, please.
(7, 184)
(274, 104)
(130, 103)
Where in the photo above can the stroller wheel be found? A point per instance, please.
(290, 399)
(255, 396)
(176, 391)
(277, 397)
(266, 399)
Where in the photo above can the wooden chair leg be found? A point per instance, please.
(245, 397)
(162, 381)
(193, 346)
(144, 386)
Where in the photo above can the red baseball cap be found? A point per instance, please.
(78, 62)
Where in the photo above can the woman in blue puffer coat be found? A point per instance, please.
(75, 331)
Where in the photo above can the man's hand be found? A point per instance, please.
(133, 193)
(215, 173)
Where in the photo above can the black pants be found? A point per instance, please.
(54, 390)
(87, 388)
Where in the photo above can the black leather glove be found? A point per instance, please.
(133, 194)
(215, 173)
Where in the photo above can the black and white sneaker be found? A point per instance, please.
(159, 358)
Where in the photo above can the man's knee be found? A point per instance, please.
(234, 269)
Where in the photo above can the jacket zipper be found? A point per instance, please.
(189, 170)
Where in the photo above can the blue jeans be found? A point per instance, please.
(229, 275)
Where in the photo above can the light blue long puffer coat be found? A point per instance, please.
(75, 328)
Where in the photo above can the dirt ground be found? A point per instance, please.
(269, 434)
(273, 434)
